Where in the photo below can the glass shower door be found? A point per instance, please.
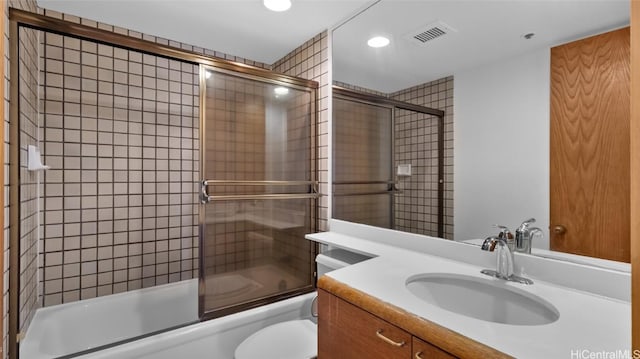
(363, 178)
(257, 194)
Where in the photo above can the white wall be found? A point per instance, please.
(501, 146)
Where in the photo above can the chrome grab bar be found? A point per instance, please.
(241, 197)
(365, 182)
(258, 183)
(390, 190)
(205, 197)
(365, 193)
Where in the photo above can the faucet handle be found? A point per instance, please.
(535, 230)
(526, 224)
(504, 232)
(489, 244)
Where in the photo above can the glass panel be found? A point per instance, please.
(374, 210)
(362, 150)
(253, 249)
(362, 136)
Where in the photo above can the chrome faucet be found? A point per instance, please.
(503, 246)
(525, 234)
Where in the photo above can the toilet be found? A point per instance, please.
(294, 339)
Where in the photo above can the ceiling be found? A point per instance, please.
(242, 28)
(485, 32)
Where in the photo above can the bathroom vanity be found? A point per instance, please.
(423, 297)
(347, 330)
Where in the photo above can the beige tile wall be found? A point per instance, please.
(29, 103)
(416, 143)
(359, 89)
(29, 43)
(120, 132)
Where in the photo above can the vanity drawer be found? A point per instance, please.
(348, 332)
(424, 350)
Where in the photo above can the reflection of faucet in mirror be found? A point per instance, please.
(523, 238)
(525, 234)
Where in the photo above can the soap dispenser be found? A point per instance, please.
(524, 235)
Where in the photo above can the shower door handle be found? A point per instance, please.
(204, 195)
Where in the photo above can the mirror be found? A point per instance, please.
(487, 65)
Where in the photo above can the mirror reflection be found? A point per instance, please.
(530, 92)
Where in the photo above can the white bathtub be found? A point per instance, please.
(74, 327)
(70, 328)
(213, 339)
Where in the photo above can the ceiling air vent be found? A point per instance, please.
(430, 32)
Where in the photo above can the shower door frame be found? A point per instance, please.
(20, 18)
(377, 100)
(205, 198)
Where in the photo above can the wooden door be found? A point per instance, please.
(590, 91)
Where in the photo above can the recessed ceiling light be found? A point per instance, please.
(378, 41)
(281, 91)
(277, 5)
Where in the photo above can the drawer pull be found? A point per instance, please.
(394, 343)
(419, 355)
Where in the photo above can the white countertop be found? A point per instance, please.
(587, 322)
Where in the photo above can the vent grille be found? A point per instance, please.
(429, 33)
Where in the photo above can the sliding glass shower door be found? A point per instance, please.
(258, 192)
(363, 178)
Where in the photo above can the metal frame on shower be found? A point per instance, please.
(372, 99)
(19, 18)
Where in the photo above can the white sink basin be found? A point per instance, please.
(489, 300)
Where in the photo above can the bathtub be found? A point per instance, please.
(84, 325)
(89, 324)
(214, 339)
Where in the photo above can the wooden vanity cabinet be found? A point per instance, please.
(424, 350)
(346, 331)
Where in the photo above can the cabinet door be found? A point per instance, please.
(424, 350)
(348, 332)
